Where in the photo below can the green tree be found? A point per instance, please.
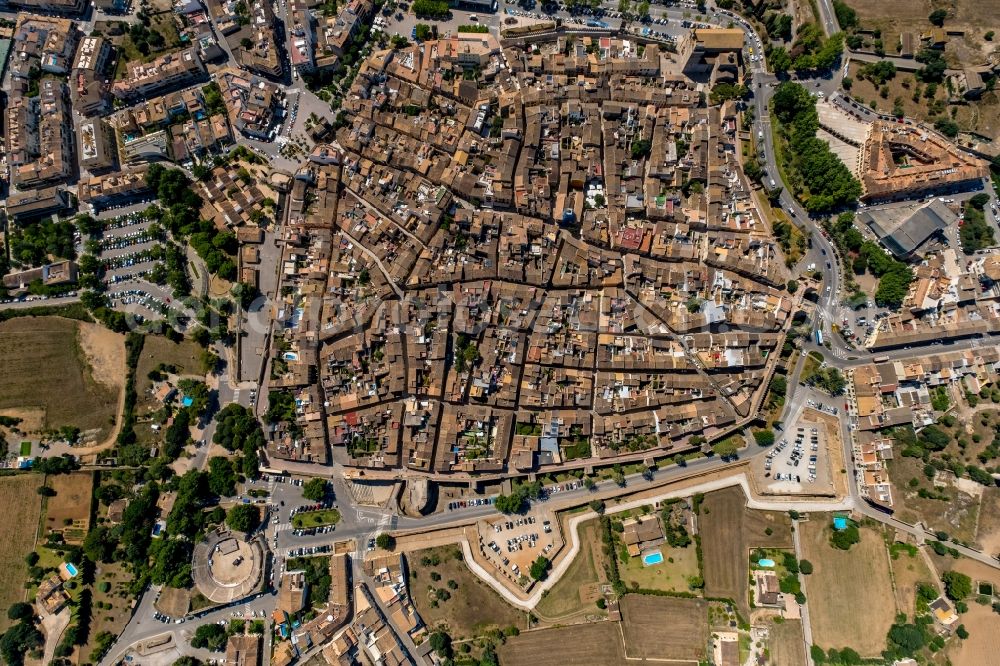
(440, 642)
(845, 538)
(385, 541)
(957, 585)
(540, 568)
(20, 611)
(221, 477)
(423, 32)
(938, 16)
(314, 489)
(779, 60)
(210, 637)
(641, 148)
(243, 518)
(763, 437)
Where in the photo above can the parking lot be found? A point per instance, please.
(512, 543)
(129, 250)
(803, 458)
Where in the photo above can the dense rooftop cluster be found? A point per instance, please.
(541, 253)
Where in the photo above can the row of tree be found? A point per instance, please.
(826, 182)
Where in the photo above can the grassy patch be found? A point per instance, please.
(583, 575)
(672, 575)
(316, 518)
(810, 365)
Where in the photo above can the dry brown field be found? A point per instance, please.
(69, 510)
(471, 608)
(23, 505)
(720, 523)
(786, 644)
(598, 644)
(665, 627)
(43, 367)
(728, 531)
(851, 602)
(983, 644)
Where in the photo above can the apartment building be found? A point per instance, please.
(42, 44)
(97, 146)
(87, 82)
(301, 37)
(262, 56)
(117, 187)
(39, 134)
(251, 102)
(68, 7)
(167, 72)
(335, 33)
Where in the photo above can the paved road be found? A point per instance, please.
(827, 17)
(44, 302)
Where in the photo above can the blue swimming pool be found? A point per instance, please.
(649, 559)
(71, 569)
(766, 563)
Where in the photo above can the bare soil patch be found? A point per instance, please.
(68, 511)
(105, 352)
(786, 643)
(665, 627)
(598, 644)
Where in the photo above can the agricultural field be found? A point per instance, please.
(598, 644)
(68, 511)
(723, 516)
(663, 628)
(55, 374)
(988, 534)
(851, 601)
(580, 585)
(20, 499)
(471, 608)
(983, 644)
(786, 644)
(725, 555)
